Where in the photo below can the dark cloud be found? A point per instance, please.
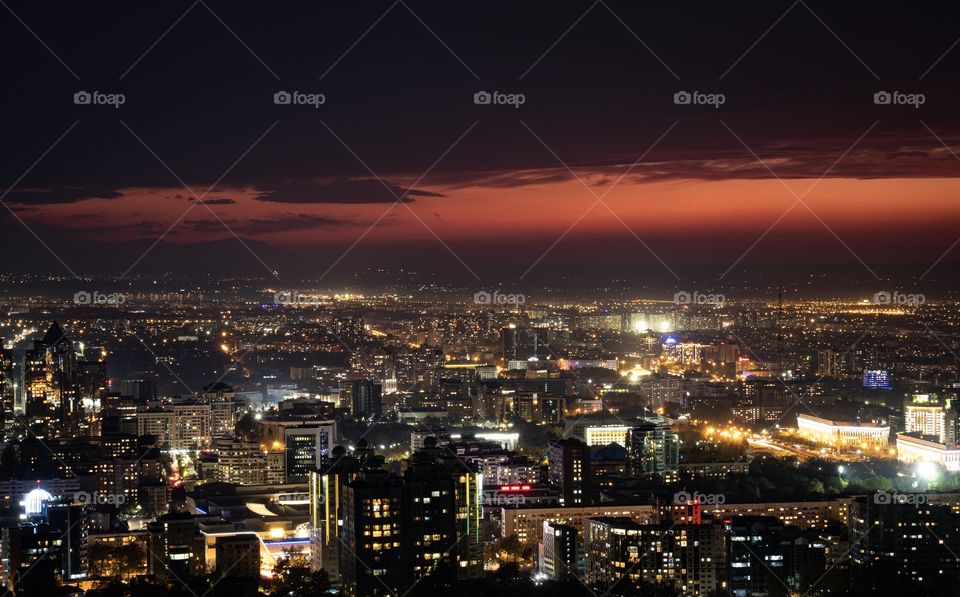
(339, 190)
(59, 195)
(283, 223)
(218, 201)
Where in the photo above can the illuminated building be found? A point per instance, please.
(602, 435)
(764, 555)
(877, 380)
(326, 520)
(557, 552)
(177, 426)
(827, 363)
(720, 360)
(524, 343)
(176, 546)
(32, 555)
(221, 398)
(303, 441)
(802, 514)
(912, 449)
(56, 384)
(930, 415)
(507, 440)
(401, 526)
(240, 463)
(569, 471)
(843, 435)
(535, 408)
(20, 493)
(658, 391)
(762, 400)
(916, 541)
(689, 558)
(653, 449)
(715, 470)
(527, 523)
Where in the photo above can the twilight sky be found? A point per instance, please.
(490, 190)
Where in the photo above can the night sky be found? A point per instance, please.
(399, 168)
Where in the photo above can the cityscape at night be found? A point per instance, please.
(418, 298)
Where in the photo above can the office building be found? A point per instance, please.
(843, 435)
(366, 399)
(653, 449)
(557, 552)
(764, 557)
(931, 417)
(688, 558)
(569, 471)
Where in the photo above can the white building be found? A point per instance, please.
(912, 449)
(928, 415)
(840, 434)
(178, 426)
(602, 435)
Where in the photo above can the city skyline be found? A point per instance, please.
(412, 298)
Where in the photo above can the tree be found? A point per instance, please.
(248, 428)
(509, 549)
(292, 577)
(115, 562)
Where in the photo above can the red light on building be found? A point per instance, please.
(512, 488)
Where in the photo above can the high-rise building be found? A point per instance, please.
(688, 558)
(373, 529)
(761, 399)
(429, 500)
(139, 388)
(176, 546)
(366, 399)
(931, 415)
(372, 558)
(653, 448)
(178, 426)
(239, 462)
(764, 556)
(918, 541)
(525, 343)
(56, 385)
(827, 363)
(238, 556)
(557, 552)
(222, 400)
(569, 471)
(326, 517)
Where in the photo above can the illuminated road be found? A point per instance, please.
(763, 443)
